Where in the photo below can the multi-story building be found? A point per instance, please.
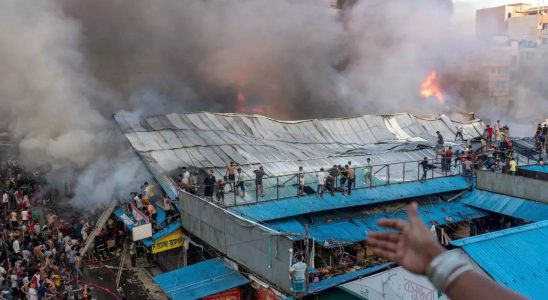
(515, 38)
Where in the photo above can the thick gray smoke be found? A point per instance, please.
(68, 65)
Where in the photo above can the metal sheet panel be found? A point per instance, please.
(355, 229)
(515, 257)
(283, 208)
(507, 205)
(200, 280)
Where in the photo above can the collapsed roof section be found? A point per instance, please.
(211, 140)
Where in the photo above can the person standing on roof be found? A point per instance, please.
(448, 158)
(351, 178)
(259, 174)
(221, 184)
(512, 166)
(230, 174)
(332, 178)
(320, 176)
(497, 126)
(240, 182)
(368, 173)
(424, 164)
(468, 166)
(300, 181)
(344, 176)
(440, 140)
(459, 133)
(185, 176)
(489, 134)
(209, 183)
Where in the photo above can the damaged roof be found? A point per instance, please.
(211, 140)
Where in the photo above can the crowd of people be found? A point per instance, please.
(39, 252)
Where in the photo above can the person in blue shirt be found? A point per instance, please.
(42, 290)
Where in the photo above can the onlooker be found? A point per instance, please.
(221, 184)
(300, 181)
(440, 140)
(512, 166)
(489, 134)
(259, 174)
(209, 183)
(343, 177)
(240, 185)
(185, 176)
(230, 174)
(321, 182)
(331, 179)
(351, 178)
(298, 277)
(448, 158)
(424, 164)
(459, 133)
(368, 173)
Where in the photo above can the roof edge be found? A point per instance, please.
(505, 232)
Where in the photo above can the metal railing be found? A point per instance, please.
(287, 186)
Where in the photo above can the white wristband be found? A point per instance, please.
(445, 268)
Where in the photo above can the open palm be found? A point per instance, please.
(412, 247)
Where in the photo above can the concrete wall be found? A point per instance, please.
(242, 241)
(516, 186)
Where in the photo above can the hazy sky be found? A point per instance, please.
(489, 3)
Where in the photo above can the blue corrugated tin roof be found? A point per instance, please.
(355, 229)
(323, 285)
(283, 208)
(515, 257)
(536, 168)
(200, 280)
(507, 205)
(121, 215)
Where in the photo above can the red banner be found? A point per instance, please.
(233, 294)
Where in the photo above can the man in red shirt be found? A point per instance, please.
(448, 158)
(489, 131)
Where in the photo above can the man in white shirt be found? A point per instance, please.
(300, 179)
(185, 178)
(15, 246)
(321, 182)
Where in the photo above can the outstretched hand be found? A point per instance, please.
(412, 247)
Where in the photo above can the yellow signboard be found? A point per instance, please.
(168, 242)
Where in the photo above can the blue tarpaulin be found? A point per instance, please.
(200, 280)
(507, 205)
(355, 229)
(283, 208)
(515, 257)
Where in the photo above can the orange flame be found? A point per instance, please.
(243, 107)
(431, 87)
(240, 98)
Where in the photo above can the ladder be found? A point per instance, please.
(98, 227)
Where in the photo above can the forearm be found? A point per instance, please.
(471, 286)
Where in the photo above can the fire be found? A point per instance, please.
(243, 107)
(240, 98)
(431, 87)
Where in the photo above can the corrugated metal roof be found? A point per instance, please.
(541, 169)
(283, 208)
(507, 205)
(200, 280)
(208, 140)
(355, 229)
(515, 257)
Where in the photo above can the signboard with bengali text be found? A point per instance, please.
(168, 242)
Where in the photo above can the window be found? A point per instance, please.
(514, 60)
(499, 84)
(545, 26)
(509, 15)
